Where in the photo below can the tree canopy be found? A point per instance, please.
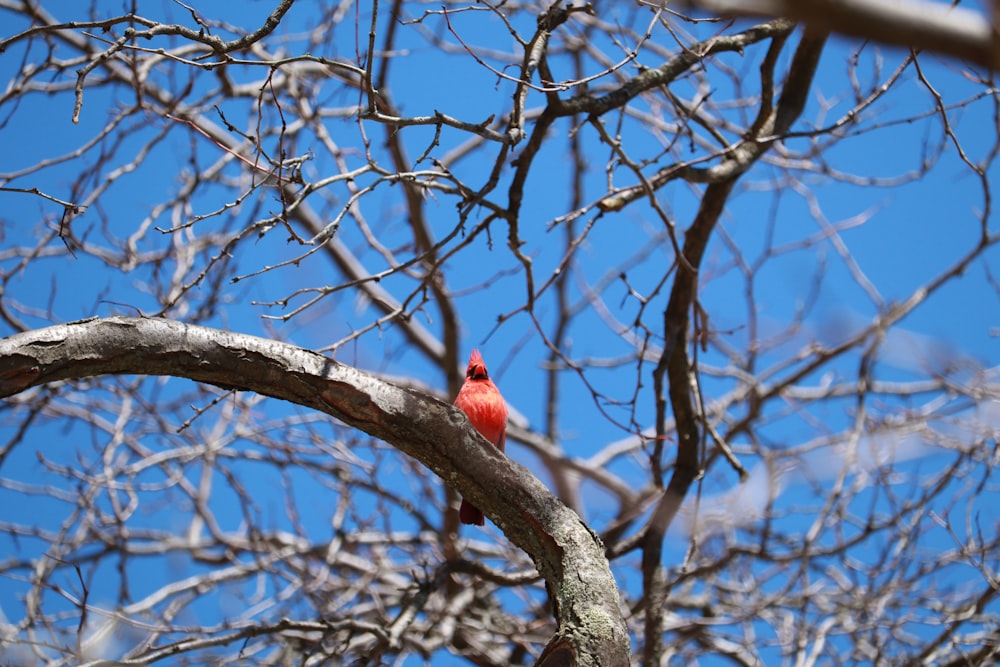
(733, 269)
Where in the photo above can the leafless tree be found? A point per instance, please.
(733, 273)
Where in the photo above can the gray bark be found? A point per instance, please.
(566, 552)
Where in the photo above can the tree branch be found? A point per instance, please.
(950, 31)
(567, 554)
(675, 362)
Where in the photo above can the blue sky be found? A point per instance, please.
(899, 233)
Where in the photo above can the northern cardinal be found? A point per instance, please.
(481, 401)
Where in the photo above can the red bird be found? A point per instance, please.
(481, 401)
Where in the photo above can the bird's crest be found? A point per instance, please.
(477, 367)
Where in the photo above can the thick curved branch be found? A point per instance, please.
(567, 554)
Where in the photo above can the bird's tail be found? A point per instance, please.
(470, 514)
